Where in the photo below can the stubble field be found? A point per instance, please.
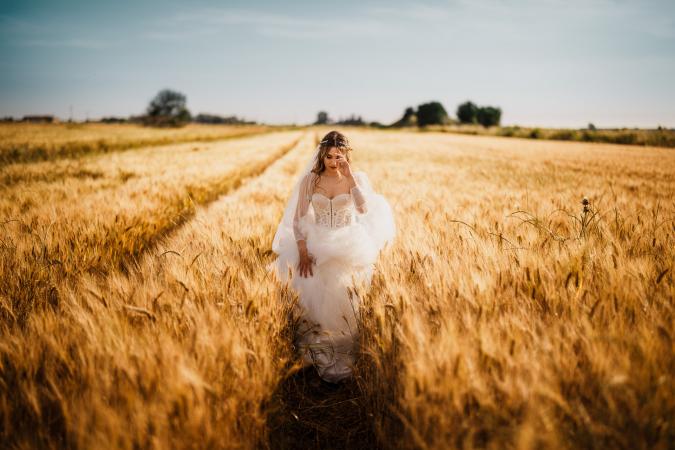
(136, 310)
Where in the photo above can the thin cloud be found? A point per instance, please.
(13, 25)
(67, 43)
(656, 20)
(414, 11)
(271, 24)
(23, 33)
(175, 35)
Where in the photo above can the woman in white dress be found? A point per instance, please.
(329, 239)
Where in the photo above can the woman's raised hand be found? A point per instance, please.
(345, 168)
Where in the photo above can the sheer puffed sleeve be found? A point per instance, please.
(375, 212)
(304, 198)
(358, 195)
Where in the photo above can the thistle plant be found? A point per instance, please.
(587, 215)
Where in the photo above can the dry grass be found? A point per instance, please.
(179, 353)
(490, 327)
(502, 317)
(27, 142)
(55, 230)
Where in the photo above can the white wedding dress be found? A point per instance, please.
(344, 235)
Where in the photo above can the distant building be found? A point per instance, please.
(39, 119)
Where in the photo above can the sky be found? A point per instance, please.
(555, 63)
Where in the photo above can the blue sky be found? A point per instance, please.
(546, 63)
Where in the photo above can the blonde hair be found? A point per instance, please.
(330, 140)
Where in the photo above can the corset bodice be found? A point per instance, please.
(333, 213)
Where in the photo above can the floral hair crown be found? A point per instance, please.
(326, 141)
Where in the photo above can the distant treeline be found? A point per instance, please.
(199, 118)
(323, 118)
(485, 120)
(43, 118)
(169, 109)
(212, 118)
(427, 114)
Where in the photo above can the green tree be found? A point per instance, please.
(409, 118)
(489, 116)
(467, 112)
(431, 113)
(322, 118)
(168, 108)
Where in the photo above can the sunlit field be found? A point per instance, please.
(26, 142)
(136, 309)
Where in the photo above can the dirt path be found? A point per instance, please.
(308, 412)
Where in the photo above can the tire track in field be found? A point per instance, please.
(203, 196)
(208, 282)
(118, 247)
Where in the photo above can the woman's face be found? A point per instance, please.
(332, 160)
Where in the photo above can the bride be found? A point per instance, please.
(329, 238)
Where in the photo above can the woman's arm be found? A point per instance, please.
(355, 184)
(304, 197)
(357, 195)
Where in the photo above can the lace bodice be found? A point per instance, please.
(334, 213)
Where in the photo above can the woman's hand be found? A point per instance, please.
(305, 264)
(345, 168)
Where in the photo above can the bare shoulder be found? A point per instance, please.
(310, 176)
(310, 180)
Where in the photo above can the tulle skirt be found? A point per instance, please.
(328, 305)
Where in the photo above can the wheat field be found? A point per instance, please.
(136, 310)
(28, 142)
